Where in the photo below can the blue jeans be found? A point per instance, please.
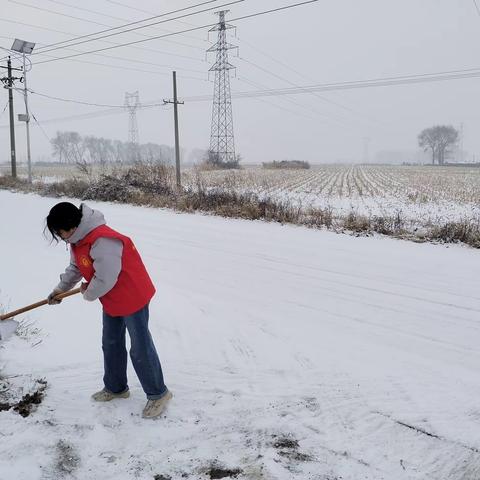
(142, 352)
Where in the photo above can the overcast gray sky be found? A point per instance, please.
(327, 41)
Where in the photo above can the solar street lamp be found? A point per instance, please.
(25, 48)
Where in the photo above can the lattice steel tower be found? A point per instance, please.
(222, 142)
(132, 102)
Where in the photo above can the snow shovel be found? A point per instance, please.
(9, 326)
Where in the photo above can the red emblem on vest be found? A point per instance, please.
(85, 261)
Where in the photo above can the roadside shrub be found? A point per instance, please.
(108, 189)
(155, 178)
(388, 225)
(357, 223)
(319, 217)
(70, 188)
(10, 183)
(464, 231)
(136, 182)
(286, 164)
(213, 161)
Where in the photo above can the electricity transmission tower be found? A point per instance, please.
(132, 103)
(222, 144)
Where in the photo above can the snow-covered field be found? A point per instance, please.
(420, 195)
(291, 353)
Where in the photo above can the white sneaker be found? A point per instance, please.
(105, 396)
(154, 408)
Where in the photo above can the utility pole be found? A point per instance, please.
(12, 120)
(27, 120)
(175, 117)
(8, 84)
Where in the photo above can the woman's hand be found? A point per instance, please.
(51, 298)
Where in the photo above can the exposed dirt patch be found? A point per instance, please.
(286, 443)
(287, 447)
(27, 404)
(29, 401)
(67, 459)
(294, 455)
(215, 470)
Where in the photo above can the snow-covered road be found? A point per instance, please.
(292, 354)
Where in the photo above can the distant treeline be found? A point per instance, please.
(286, 164)
(72, 148)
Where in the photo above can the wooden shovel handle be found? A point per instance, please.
(60, 296)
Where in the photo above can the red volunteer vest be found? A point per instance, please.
(134, 288)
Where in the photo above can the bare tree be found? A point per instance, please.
(68, 146)
(60, 148)
(438, 139)
(91, 147)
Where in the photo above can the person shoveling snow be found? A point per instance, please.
(114, 274)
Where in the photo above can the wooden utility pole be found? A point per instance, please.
(12, 120)
(175, 117)
(8, 84)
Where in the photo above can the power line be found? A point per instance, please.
(55, 13)
(385, 82)
(145, 26)
(146, 49)
(125, 59)
(96, 114)
(281, 107)
(68, 100)
(184, 31)
(124, 5)
(476, 6)
(122, 67)
(95, 12)
(41, 128)
(135, 69)
(134, 23)
(300, 74)
(84, 116)
(378, 82)
(139, 70)
(4, 109)
(287, 99)
(129, 6)
(311, 108)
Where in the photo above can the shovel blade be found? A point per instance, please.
(7, 328)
